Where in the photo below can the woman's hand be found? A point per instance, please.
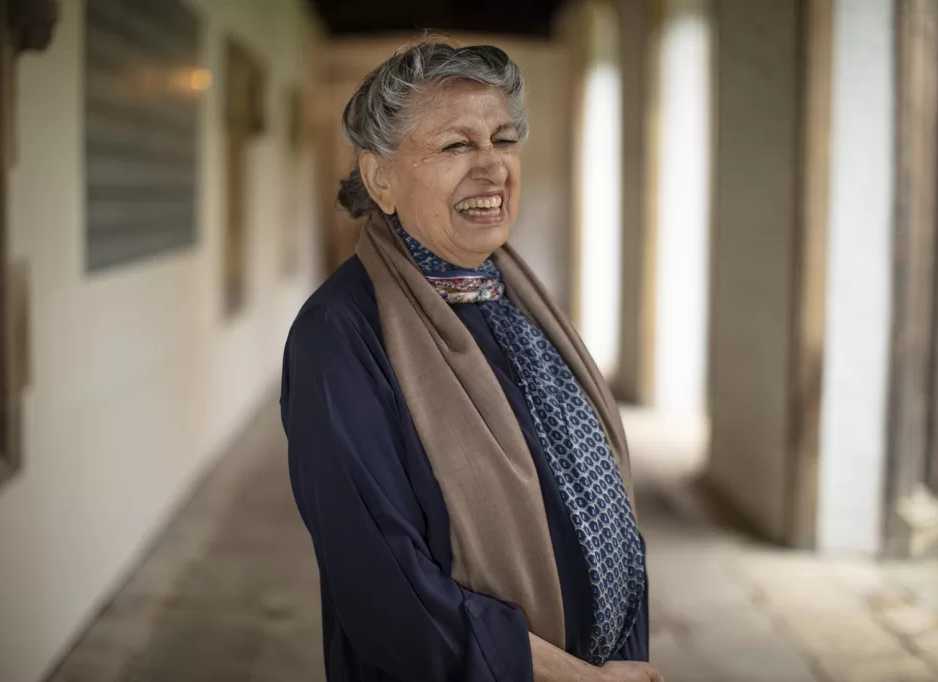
(556, 665)
(627, 671)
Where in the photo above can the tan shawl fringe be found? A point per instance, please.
(498, 527)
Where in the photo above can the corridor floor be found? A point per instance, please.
(229, 591)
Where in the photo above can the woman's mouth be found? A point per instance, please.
(482, 208)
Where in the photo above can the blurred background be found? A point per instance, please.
(733, 199)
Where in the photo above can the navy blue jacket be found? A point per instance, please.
(365, 489)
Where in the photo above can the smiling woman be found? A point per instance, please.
(455, 179)
(454, 451)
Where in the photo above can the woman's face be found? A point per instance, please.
(455, 179)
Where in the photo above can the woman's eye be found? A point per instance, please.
(455, 146)
(506, 142)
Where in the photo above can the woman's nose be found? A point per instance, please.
(490, 166)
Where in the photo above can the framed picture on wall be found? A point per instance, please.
(143, 87)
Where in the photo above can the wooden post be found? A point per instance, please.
(810, 278)
(911, 515)
(245, 118)
(24, 25)
(10, 457)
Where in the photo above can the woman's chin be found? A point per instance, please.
(489, 237)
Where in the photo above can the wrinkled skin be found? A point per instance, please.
(462, 144)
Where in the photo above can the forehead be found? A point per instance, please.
(459, 104)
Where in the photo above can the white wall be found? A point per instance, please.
(683, 209)
(138, 381)
(599, 181)
(853, 413)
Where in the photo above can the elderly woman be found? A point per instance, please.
(454, 452)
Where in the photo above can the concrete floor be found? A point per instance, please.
(230, 592)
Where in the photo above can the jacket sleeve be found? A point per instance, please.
(395, 605)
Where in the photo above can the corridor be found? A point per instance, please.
(733, 201)
(229, 591)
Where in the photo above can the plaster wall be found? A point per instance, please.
(138, 380)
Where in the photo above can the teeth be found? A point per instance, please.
(479, 202)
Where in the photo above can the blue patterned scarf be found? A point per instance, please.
(573, 441)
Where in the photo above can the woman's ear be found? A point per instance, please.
(376, 176)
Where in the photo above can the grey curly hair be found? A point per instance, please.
(377, 116)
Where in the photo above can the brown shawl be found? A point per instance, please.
(498, 527)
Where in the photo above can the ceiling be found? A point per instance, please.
(520, 17)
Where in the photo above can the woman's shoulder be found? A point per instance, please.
(344, 302)
(337, 331)
(335, 339)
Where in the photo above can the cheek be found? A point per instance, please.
(439, 186)
(422, 192)
(428, 201)
(514, 174)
